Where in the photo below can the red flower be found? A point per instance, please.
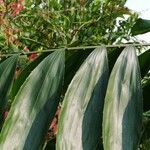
(33, 56)
(17, 7)
(1, 1)
(53, 125)
(5, 114)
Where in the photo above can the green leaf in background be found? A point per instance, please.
(73, 62)
(25, 73)
(51, 145)
(7, 71)
(122, 116)
(113, 54)
(34, 106)
(79, 126)
(146, 96)
(144, 62)
(145, 138)
(140, 27)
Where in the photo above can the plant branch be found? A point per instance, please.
(75, 48)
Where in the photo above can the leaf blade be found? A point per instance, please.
(34, 106)
(24, 74)
(7, 71)
(140, 27)
(122, 117)
(144, 62)
(79, 126)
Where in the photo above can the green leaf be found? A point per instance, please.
(79, 126)
(51, 145)
(34, 106)
(113, 54)
(146, 96)
(7, 71)
(140, 27)
(144, 61)
(122, 116)
(72, 64)
(145, 138)
(25, 73)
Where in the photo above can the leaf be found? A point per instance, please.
(146, 96)
(144, 61)
(24, 74)
(34, 106)
(122, 116)
(140, 27)
(113, 54)
(7, 71)
(145, 138)
(79, 126)
(73, 61)
(50, 145)
(72, 64)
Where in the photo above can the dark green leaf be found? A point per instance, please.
(112, 56)
(73, 62)
(146, 96)
(24, 74)
(140, 27)
(51, 145)
(79, 126)
(144, 61)
(34, 106)
(7, 71)
(122, 116)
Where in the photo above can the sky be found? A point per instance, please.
(142, 7)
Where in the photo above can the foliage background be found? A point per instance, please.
(34, 25)
(39, 25)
